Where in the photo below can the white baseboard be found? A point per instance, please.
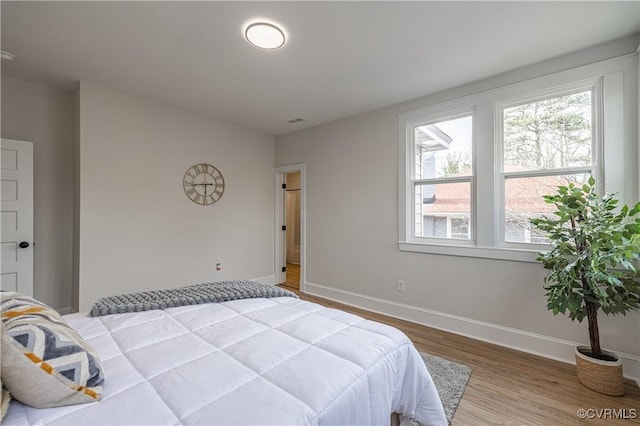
(533, 343)
(269, 279)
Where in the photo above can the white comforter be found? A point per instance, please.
(279, 361)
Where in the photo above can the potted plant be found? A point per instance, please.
(592, 267)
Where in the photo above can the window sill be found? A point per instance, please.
(513, 254)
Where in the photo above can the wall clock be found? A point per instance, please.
(203, 184)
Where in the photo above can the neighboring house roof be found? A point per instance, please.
(432, 138)
(524, 196)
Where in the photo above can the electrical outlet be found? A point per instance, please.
(218, 267)
(400, 285)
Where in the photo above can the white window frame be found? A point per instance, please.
(422, 120)
(615, 133)
(595, 169)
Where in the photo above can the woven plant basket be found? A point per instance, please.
(599, 375)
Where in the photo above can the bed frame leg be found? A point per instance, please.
(395, 419)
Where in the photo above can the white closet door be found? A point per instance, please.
(16, 209)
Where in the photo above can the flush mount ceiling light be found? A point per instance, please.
(265, 35)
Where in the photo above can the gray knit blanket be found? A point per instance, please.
(190, 295)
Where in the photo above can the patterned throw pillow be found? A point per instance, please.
(5, 398)
(45, 363)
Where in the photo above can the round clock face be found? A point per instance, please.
(203, 184)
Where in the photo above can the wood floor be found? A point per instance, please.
(292, 279)
(508, 387)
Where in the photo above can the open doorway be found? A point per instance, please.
(290, 226)
(292, 229)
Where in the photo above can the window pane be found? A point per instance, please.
(445, 209)
(548, 134)
(523, 201)
(435, 226)
(443, 149)
(460, 228)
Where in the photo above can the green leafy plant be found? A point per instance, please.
(592, 262)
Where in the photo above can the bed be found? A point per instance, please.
(256, 361)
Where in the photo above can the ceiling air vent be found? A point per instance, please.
(296, 120)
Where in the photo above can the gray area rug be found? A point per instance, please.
(450, 379)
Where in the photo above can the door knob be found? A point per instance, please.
(23, 244)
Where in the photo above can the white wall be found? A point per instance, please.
(352, 236)
(44, 116)
(138, 230)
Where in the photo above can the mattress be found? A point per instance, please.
(277, 361)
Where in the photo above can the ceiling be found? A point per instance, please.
(340, 59)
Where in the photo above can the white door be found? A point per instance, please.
(16, 209)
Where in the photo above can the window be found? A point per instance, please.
(442, 176)
(545, 143)
(473, 170)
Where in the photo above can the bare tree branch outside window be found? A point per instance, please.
(549, 134)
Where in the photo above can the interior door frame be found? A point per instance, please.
(279, 221)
